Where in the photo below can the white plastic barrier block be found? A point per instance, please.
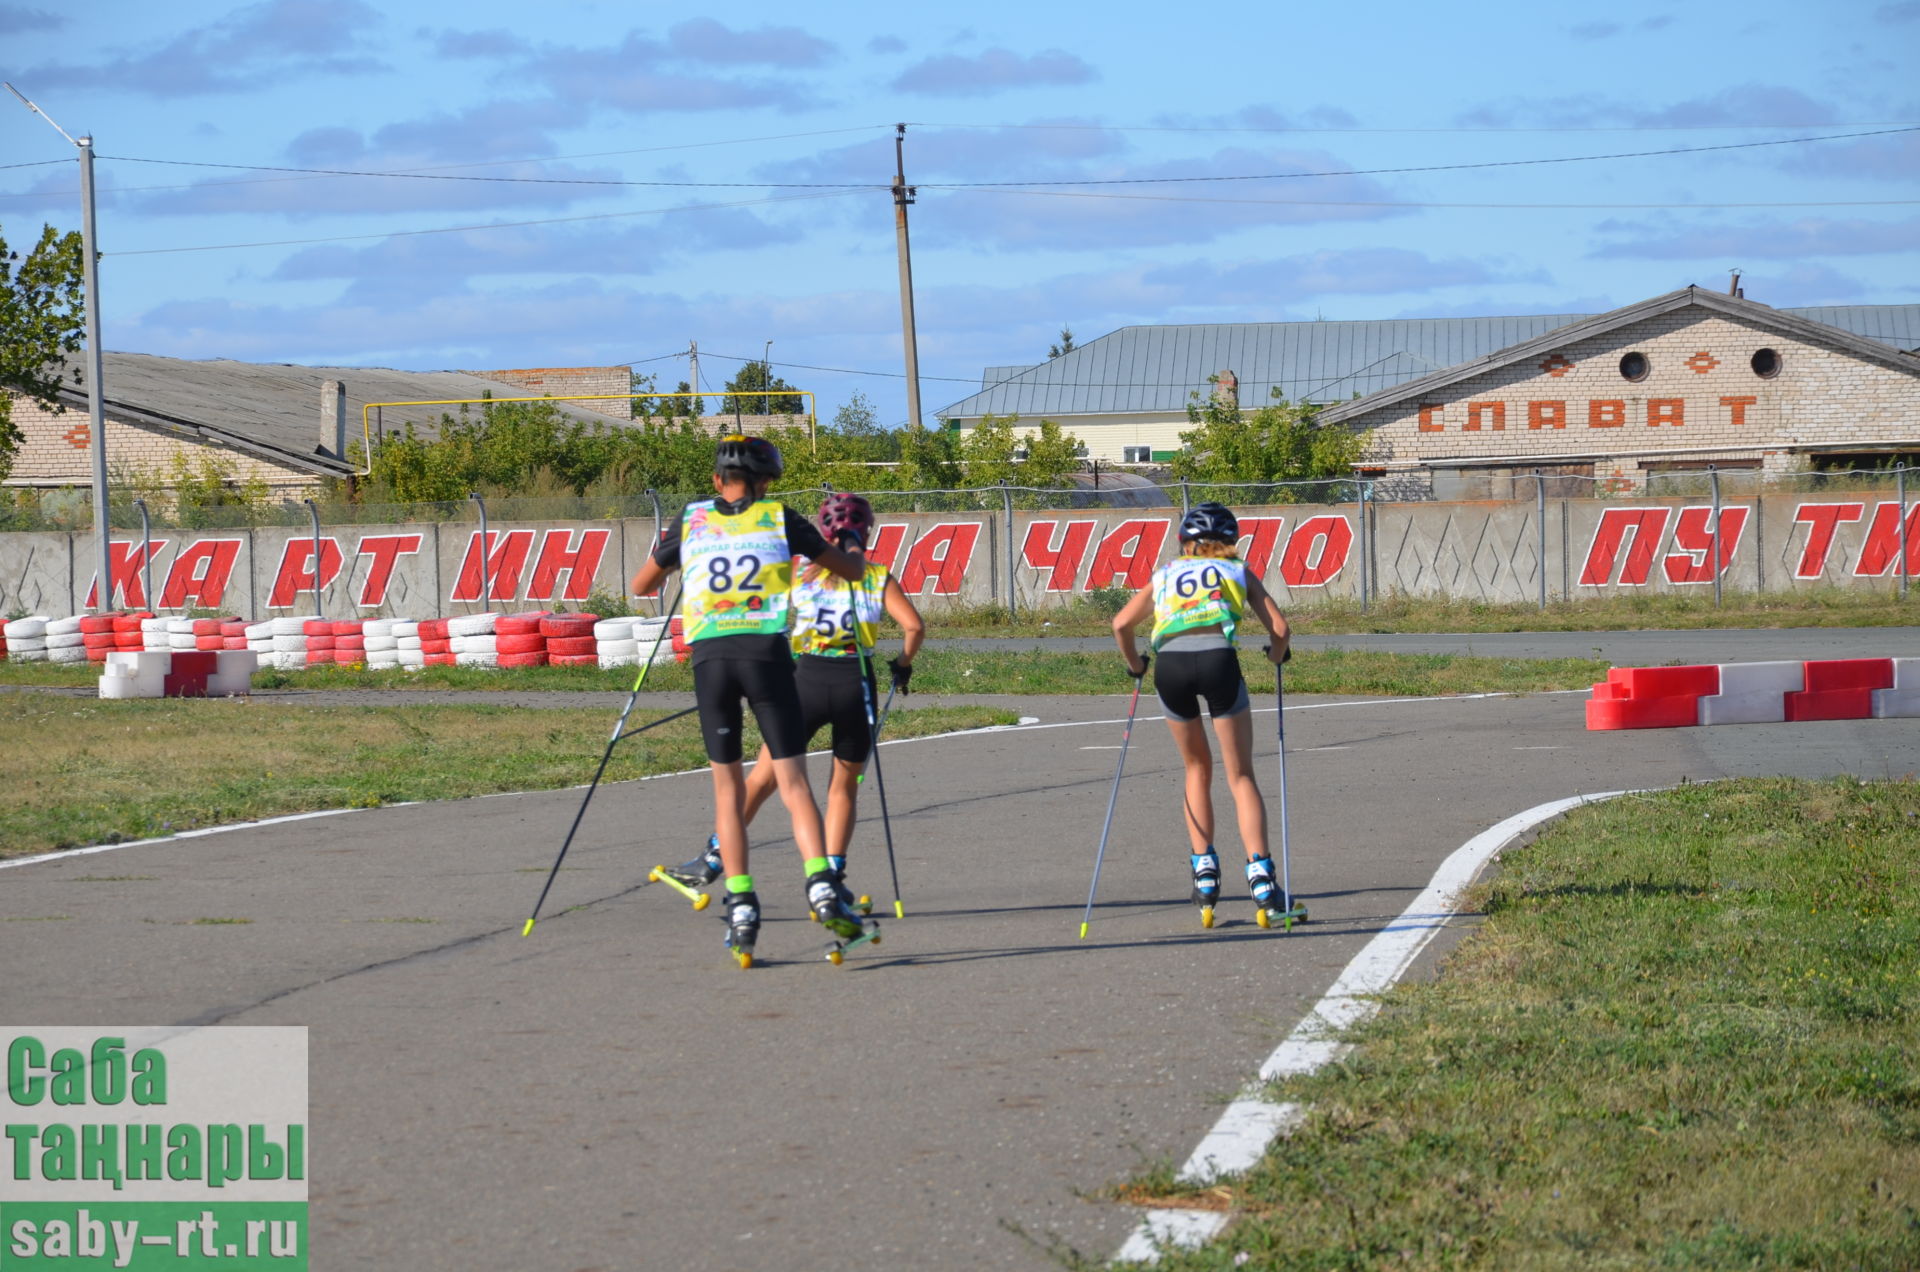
(1753, 693)
(235, 662)
(116, 687)
(1896, 704)
(140, 662)
(1906, 675)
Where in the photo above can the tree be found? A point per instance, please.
(1066, 344)
(992, 452)
(753, 391)
(1279, 442)
(42, 320)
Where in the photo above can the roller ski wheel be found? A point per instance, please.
(869, 935)
(743, 927)
(862, 903)
(1206, 884)
(689, 877)
(1272, 906)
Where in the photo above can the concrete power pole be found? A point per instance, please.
(693, 372)
(903, 194)
(96, 414)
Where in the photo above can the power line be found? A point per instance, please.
(445, 176)
(1356, 203)
(491, 225)
(38, 163)
(1490, 128)
(1434, 167)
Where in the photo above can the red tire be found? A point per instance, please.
(211, 642)
(432, 629)
(574, 660)
(533, 659)
(568, 625)
(206, 627)
(518, 624)
(98, 640)
(346, 629)
(233, 642)
(316, 657)
(433, 648)
(354, 644)
(235, 627)
(317, 627)
(129, 640)
(571, 646)
(520, 643)
(95, 623)
(317, 644)
(439, 660)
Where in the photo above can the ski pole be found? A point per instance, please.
(1280, 715)
(874, 722)
(619, 727)
(1125, 737)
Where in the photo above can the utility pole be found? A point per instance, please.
(97, 429)
(903, 194)
(693, 371)
(766, 378)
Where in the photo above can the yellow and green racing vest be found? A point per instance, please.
(1190, 592)
(836, 619)
(737, 568)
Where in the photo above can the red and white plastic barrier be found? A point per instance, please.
(186, 673)
(1756, 693)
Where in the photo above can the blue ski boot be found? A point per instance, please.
(1206, 882)
(847, 925)
(702, 870)
(1271, 903)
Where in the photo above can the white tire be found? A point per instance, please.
(63, 626)
(289, 626)
(26, 644)
(17, 654)
(608, 660)
(291, 644)
(618, 648)
(68, 654)
(377, 627)
(405, 643)
(383, 658)
(25, 629)
(613, 629)
(381, 643)
(486, 644)
(410, 657)
(472, 625)
(259, 631)
(65, 640)
(179, 626)
(476, 660)
(405, 627)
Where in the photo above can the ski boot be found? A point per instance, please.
(743, 926)
(1271, 903)
(862, 903)
(848, 926)
(689, 877)
(1206, 883)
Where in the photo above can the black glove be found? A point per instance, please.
(1284, 658)
(848, 541)
(1145, 662)
(902, 674)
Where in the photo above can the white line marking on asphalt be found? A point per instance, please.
(184, 834)
(1536, 748)
(1239, 1139)
(1099, 748)
(1303, 750)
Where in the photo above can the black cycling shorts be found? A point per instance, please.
(832, 692)
(1185, 678)
(720, 685)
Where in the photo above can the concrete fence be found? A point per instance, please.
(1524, 551)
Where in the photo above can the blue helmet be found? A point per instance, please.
(1210, 521)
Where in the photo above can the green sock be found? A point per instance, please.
(739, 883)
(816, 864)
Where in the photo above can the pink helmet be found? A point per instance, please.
(841, 515)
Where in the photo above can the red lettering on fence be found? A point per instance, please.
(1645, 526)
(887, 542)
(1062, 562)
(1316, 551)
(578, 552)
(1259, 534)
(507, 552)
(123, 571)
(1880, 552)
(383, 552)
(940, 557)
(295, 574)
(1693, 535)
(1822, 521)
(1128, 554)
(200, 571)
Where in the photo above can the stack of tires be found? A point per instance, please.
(128, 633)
(518, 640)
(382, 646)
(259, 639)
(570, 639)
(27, 639)
(614, 644)
(349, 642)
(473, 641)
(96, 635)
(436, 643)
(289, 643)
(154, 632)
(407, 644)
(233, 633)
(65, 641)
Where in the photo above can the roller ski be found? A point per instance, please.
(1206, 884)
(862, 903)
(689, 877)
(1273, 907)
(743, 926)
(848, 925)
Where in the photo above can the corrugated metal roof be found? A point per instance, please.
(1155, 369)
(276, 406)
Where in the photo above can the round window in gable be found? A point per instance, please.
(1634, 366)
(1765, 363)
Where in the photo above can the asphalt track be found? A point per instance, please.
(612, 1093)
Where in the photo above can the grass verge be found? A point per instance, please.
(100, 772)
(962, 671)
(1684, 1037)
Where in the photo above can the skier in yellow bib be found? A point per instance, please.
(1197, 601)
(736, 552)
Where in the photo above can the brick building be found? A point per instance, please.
(1677, 383)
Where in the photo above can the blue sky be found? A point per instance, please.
(768, 128)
